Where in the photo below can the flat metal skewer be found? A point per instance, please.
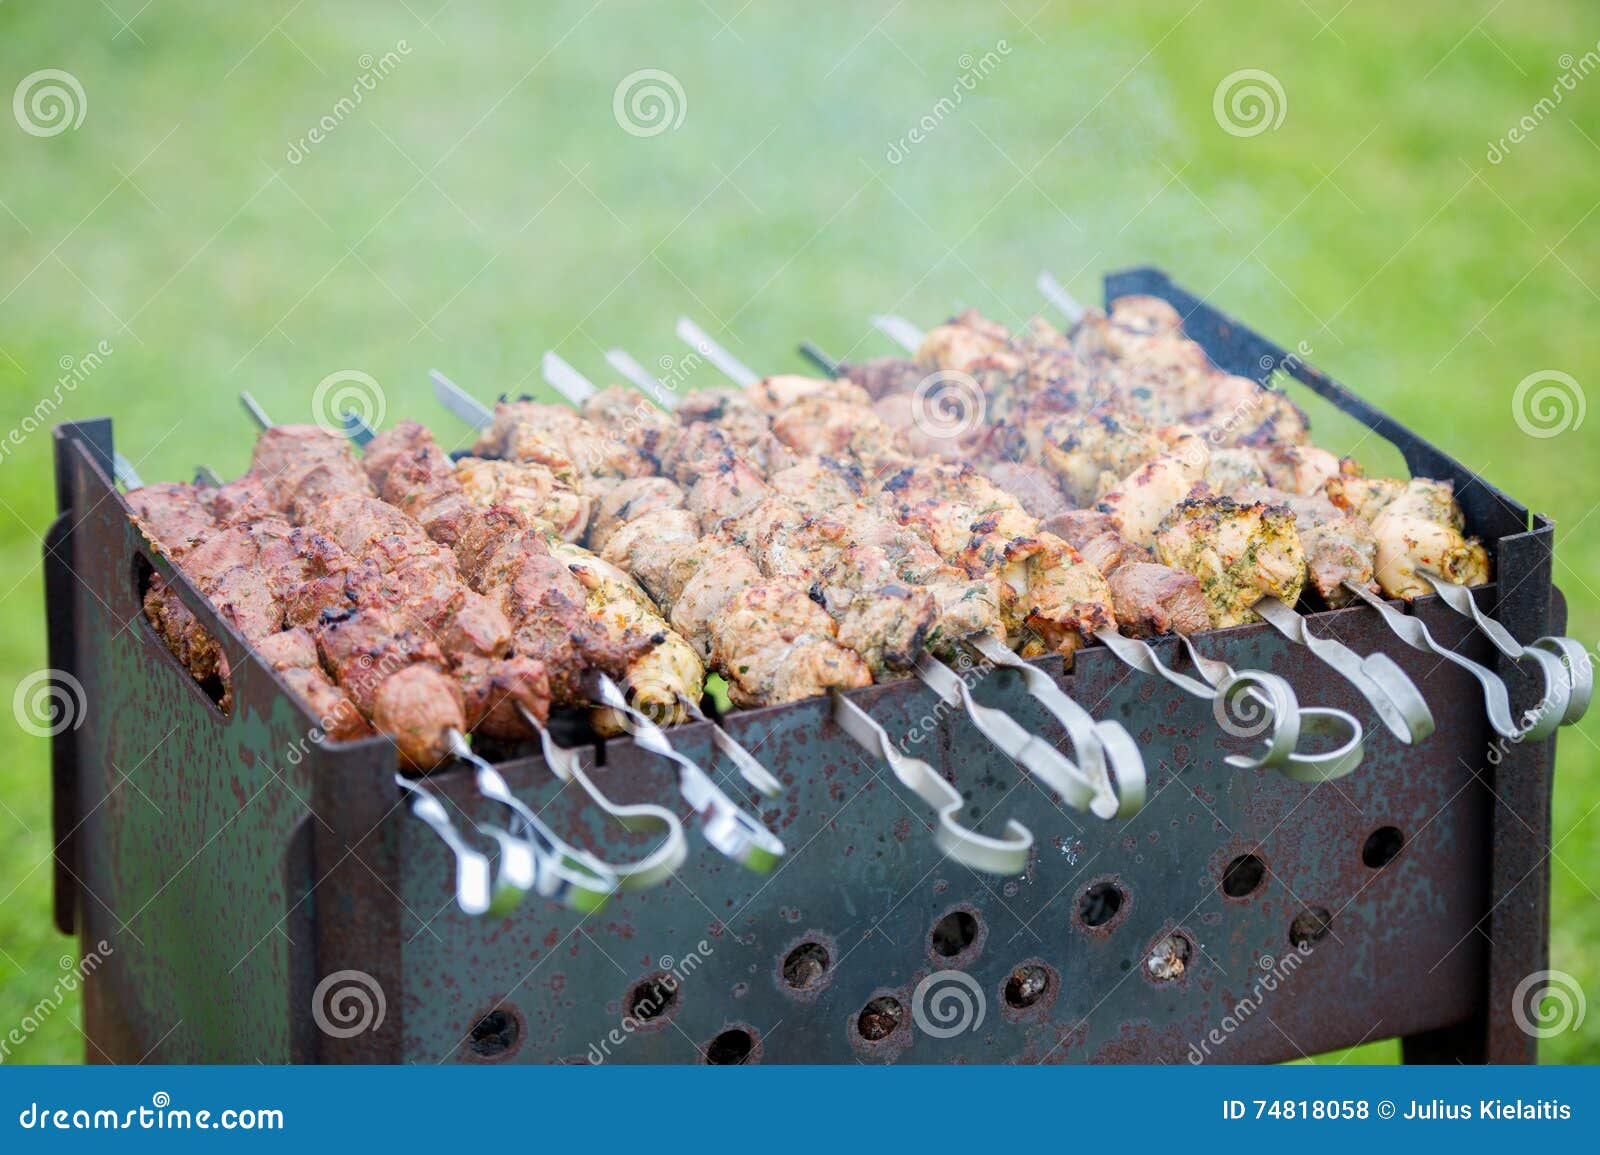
(1007, 855)
(1561, 658)
(642, 379)
(476, 891)
(1037, 757)
(122, 469)
(726, 827)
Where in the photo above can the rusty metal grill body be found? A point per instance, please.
(248, 864)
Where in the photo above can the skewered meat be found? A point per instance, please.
(1240, 553)
(629, 501)
(1422, 529)
(534, 490)
(1143, 499)
(238, 569)
(1032, 486)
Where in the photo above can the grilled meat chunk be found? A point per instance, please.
(1240, 553)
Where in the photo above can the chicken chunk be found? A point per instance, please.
(1240, 553)
(1421, 528)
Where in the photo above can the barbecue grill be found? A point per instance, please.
(254, 878)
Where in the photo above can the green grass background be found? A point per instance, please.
(482, 204)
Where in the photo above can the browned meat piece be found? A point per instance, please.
(293, 655)
(884, 375)
(1341, 550)
(1079, 526)
(545, 603)
(337, 716)
(493, 690)
(172, 515)
(362, 648)
(246, 498)
(422, 484)
(1110, 550)
(188, 640)
(1034, 487)
(631, 499)
(388, 447)
(728, 488)
(1156, 599)
(417, 707)
(774, 644)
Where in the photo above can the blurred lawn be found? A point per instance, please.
(482, 204)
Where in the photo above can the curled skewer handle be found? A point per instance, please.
(726, 827)
(1414, 632)
(1396, 699)
(1579, 664)
(752, 771)
(1561, 659)
(560, 871)
(475, 890)
(1103, 748)
(1005, 855)
(654, 868)
(1342, 748)
(1234, 694)
(1031, 752)
(729, 365)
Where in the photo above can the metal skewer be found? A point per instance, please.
(536, 858)
(1039, 758)
(1497, 702)
(122, 469)
(567, 764)
(1007, 855)
(1562, 659)
(641, 379)
(476, 891)
(728, 828)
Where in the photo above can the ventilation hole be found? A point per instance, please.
(730, 1048)
(1243, 876)
(805, 966)
(1027, 985)
(954, 933)
(1100, 903)
(1170, 958)
(494, 1035)
(652, 998)
(1383, 845)
(1309, 926)
(880, 1018)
